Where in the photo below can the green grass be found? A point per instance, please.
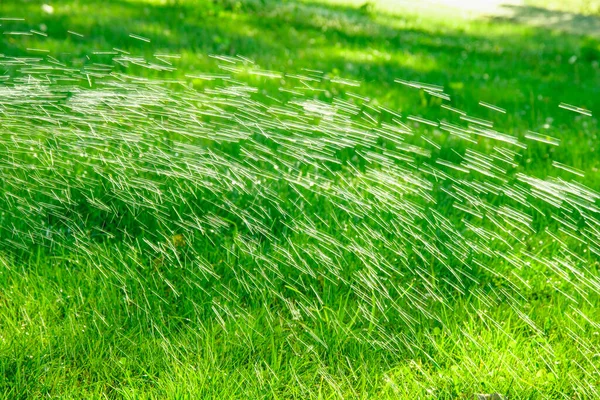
(120, 307)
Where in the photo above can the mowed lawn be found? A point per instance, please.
(70, 330)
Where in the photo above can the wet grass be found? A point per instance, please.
(283, 289)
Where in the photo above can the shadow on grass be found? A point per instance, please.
(569, 22)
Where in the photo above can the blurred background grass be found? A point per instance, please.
(524, 57)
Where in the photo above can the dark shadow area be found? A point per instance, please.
(568, 22)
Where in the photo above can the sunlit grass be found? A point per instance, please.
(300, 218)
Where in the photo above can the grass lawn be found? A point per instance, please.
(318, 224)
